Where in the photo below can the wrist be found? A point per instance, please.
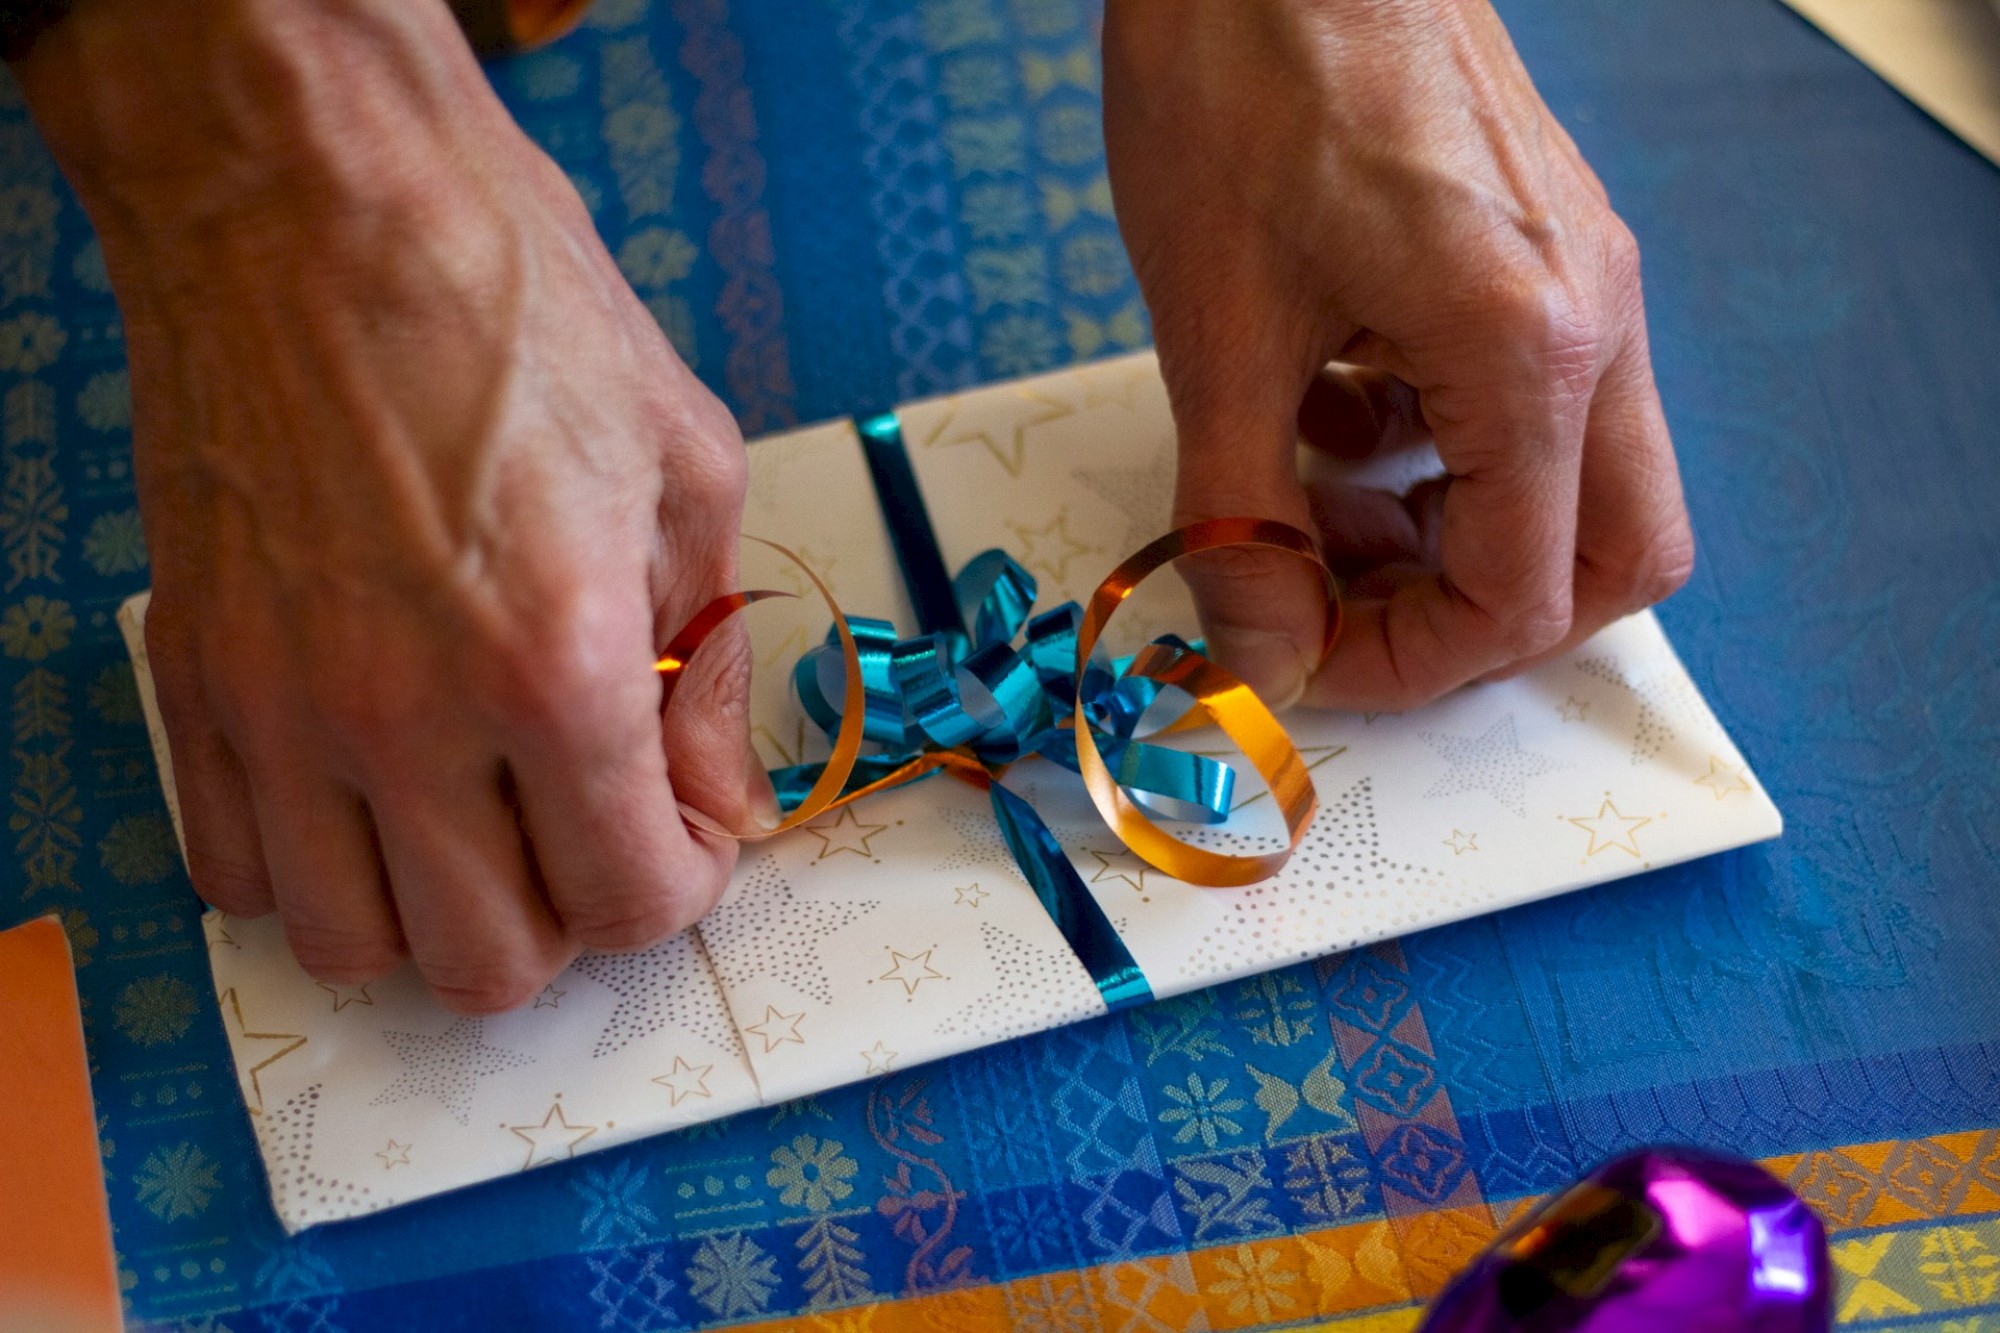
(184, 126)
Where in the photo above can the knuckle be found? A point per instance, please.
(1664, 570)
(535, 674)
(1621, 253)
(482, 986)
(237, 888)
(340, 954)
(1538, 626)
(1555, 327)
(624, 928)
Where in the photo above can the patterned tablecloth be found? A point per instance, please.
(833, 205)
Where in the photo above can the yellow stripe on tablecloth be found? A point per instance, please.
(1352, 1278)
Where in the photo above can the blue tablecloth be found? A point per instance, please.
(833, 205)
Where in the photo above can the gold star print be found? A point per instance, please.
(1326, 753)
(777, 1028)
(1572, 709)
(971, 895)
(904, 967)
(845, 834)
(1461, 843)
(395, 1155)
(685, 1080)
(1009, 447)
(786, 651)
(1049, 548)
(1608, 829)
(1722, 778)
(550, 998)
(249, 1044)
(215, 928)
(879, 1058)
(1121, 864)
(554, 1140)
(346, 995)
(788, 752)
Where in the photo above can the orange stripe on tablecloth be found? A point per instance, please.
(56, 1265)
(1355, 1275)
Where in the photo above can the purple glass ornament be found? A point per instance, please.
(1671, 1240)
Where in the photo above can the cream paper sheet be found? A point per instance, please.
(898, 931)
(1944, 55)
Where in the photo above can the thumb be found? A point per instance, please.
(1263, 612)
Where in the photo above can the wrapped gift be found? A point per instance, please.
(901, 928)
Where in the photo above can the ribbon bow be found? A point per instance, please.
(974, 702)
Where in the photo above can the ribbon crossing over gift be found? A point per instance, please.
(984, 685)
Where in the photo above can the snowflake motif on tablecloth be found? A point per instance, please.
(177, 1182)
(1035, 988)
(666, 986)
(980, 845)
(732, 1276)
(1337, 872)
(1664, 698)
(1492, 762)
(447, 1066)
(767, 928)
(285, 1134)
(155, 1010)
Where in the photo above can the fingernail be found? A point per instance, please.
(1267, 661)
(763, 797)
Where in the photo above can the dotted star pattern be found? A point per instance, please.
(285, 1134)
(1492, 762)
(981, 847)
(1665, 698)
(1036, 988)
(447, 1066)
(666, 986)
(1338, 869)
(767, 929)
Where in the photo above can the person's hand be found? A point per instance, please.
(1376, 183)
(424, 487)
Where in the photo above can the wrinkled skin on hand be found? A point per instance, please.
(1377, 184)
(425, 487)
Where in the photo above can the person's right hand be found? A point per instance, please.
(424, 486)
(1376, 182)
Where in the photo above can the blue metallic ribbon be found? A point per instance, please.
(975, 700)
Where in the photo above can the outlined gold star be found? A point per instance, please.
(777, 1028)
(550, 998)
(879, 1058)
(215, 929)
(1049, 548)
(1724, 778)
(685, 1080)
(395, 1155)
(346, 995)
(285, 1042)
(845, 834)
(554, 1140)
(1102, 390)
(1608, 829)
(903, 968)
(1009, 447)
(1461, 843)
(971, 895)
(1326, 754)
(1572, 709)
(1121, 864)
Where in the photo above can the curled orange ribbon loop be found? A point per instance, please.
(1219, 696)
(672, 667)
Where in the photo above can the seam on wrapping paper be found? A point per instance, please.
(729, 1007)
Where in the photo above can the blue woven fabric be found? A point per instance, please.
(836, 205)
